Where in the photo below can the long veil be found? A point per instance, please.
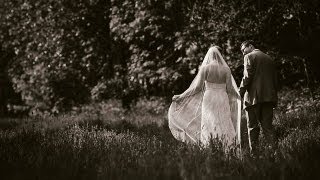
(184, 116)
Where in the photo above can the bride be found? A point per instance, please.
(210, 107)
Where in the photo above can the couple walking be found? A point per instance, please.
(211, 106)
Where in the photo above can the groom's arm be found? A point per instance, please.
(248, 74)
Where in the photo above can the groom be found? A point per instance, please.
(258, 89)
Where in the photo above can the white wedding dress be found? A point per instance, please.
(216, 116)
(210, 107)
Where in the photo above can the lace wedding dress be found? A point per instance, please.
(210, 107)
(216, 115)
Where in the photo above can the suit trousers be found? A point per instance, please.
(260, 113)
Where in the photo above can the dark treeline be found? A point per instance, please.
(56, 54)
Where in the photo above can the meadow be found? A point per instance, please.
(104, 141)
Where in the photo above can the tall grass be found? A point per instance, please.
(106, 142)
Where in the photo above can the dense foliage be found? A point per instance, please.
(59, 53)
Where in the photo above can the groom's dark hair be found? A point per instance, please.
(246, 43)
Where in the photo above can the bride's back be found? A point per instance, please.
(216, 73)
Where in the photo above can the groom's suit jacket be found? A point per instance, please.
(259, 83)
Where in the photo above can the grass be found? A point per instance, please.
(103, 141)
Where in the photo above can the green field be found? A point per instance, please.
(103, 141)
